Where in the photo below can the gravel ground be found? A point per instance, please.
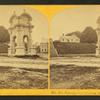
(75, 77)
(23, 78)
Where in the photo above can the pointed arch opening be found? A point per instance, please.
(25, 40)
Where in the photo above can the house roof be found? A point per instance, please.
(76, 33)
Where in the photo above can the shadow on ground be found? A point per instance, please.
(23, 78)
(75, 77)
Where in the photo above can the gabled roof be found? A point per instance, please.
(76, 33)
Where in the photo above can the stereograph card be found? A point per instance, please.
(49, 49)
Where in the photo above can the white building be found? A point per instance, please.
(20, 35)
(44, 46)
(69, 38)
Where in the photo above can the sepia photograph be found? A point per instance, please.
(23, 48)
(75, 48)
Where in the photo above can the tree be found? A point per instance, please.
(4, 35)
(88, 35)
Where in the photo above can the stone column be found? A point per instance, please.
(20, 48)
(98, 43)
(10, 49)
(32, 49)
(98, 40)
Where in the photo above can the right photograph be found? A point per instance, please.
(75, 48)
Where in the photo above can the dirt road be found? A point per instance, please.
(24, 63)
(79, 61)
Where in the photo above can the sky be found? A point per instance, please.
(74, 19)
(62, 19)
(39, 21)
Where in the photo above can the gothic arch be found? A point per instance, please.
(26, 42)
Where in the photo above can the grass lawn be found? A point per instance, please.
(75, 77)
(23, 78)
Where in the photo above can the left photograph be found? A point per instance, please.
(23, 48)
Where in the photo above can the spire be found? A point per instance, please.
(13, 16)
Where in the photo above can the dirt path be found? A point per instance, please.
(79, 61)
(23, 63)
